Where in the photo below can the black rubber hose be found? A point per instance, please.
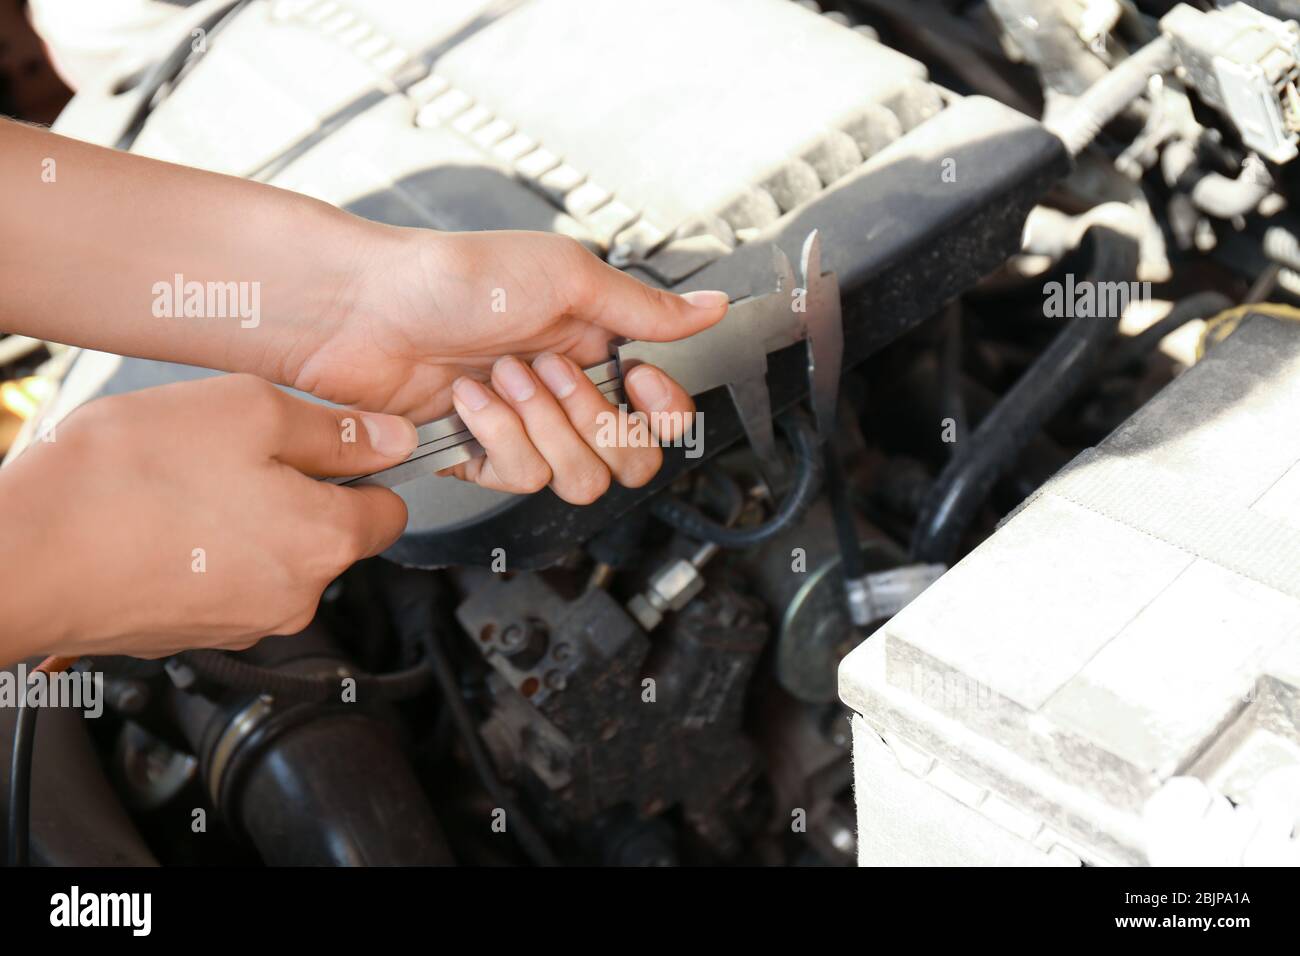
(232, 673)
(1073, 357)
(951, 402)
(20, 784)
(852, 565)
(1201, 305)
(693, 523)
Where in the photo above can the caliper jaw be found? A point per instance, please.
(732, 353)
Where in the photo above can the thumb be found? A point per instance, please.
(626, 306)
(327, 442)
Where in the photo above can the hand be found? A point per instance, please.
(428, 316)
(182, 516)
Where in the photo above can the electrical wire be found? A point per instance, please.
(693, 523)
(231, 672)
(20, 768)
(853, 567)
(169, 67)
(1225, 323)
(20, 785)
(413, 612)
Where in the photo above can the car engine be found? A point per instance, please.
(1063, 244)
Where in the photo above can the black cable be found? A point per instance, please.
(1068, 363)
(231, 672)
(693, 523)
(1201, 305)
(170, 66)
(20, 783)
(413, 613)
(846, 533)
(533, 843)
(952, 402)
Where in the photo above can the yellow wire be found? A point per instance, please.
(1225, 323)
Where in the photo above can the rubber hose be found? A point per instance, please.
(846, 533)
(950, 361)
(1069, 362)
(1078, 126)
(1213, 193)
(1201, 305)
(232, 673)
(20, 785)
(693, 523)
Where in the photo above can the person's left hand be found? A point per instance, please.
(430, 316)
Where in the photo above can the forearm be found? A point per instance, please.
(120, 253)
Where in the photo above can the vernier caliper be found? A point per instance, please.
(732, 353)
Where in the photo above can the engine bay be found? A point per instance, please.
(1040, 214)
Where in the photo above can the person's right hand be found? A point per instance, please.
(182, 516)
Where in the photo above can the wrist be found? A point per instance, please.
(376, 275)
(35, 612)
(308, 292)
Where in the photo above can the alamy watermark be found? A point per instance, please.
(179, 299)
(77, 690)
(133, 911)
(1070, 299)
(621, 429)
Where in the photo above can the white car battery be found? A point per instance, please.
(1113, 677)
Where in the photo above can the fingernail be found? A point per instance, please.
(390, 435)
(511, 375)
(648, 388)
(470, 392)
(706, 300)
(555, 374)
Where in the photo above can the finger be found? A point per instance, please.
(511, 462)
(614, 300)
(623, 441)
(360, 521)
(326, 442)
(670, 410)
(578, 475)
(377, 515)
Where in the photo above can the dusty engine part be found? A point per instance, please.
(589, 714)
